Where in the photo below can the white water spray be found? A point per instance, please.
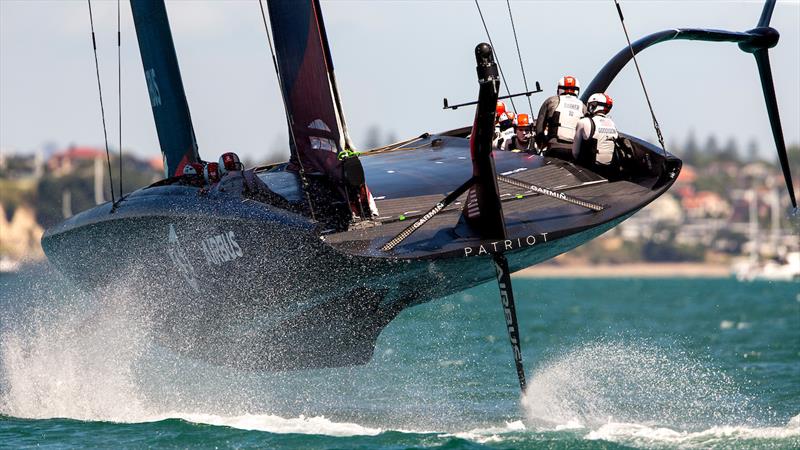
(636, 393)
(632, 382)
(73, 358)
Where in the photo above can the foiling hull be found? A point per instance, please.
(242, 283)
(263, 296)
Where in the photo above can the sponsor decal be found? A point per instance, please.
(152, 88)
(502, 246)
(325, 144)
(508, 312)
(221, 248)
(178, 257)
(319, 124)
(548, 192)
(322, 143)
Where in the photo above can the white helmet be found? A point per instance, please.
(599, 103)
(229, 161)
(569, 85)
(190, 169)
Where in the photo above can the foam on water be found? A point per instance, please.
(714, 437)
(490, 434)
(640, 435)
(276, 424)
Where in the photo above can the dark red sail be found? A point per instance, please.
(308, 86)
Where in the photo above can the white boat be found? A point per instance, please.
(785, 269)
(8, 265)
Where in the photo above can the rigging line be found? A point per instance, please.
(119, 93)
(102, 108)
(519, 54)
(641, 79)
(497, 60)
(289, 119)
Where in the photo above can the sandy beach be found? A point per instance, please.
(650, 270)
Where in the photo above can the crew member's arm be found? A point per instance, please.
(582, 130)
(545, 112)
(505, 138)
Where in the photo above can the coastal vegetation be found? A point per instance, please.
(706, 216)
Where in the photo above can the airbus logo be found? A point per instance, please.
(221, 248)
(152, 87)
(177, 255)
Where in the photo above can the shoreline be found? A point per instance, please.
(579, 270)
(636, 270)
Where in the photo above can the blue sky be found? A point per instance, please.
(395, 60)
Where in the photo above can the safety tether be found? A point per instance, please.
(289, 119)
(641, 79)
(102, 108)
(496, 59)
(519, 55)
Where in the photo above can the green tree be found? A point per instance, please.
(752, 151)
(691, 151)
(730, 152)
(793, 152)
(373, 137)
(50, 191)
(50, 196)
(711, 147)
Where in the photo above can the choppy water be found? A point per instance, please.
(611, 364)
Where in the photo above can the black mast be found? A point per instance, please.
(165, 86)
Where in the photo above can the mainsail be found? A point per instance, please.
(308, 87)
(164, 84)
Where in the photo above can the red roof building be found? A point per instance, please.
(63, 162)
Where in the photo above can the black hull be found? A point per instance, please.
(242, 283)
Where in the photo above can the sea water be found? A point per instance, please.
(611, 363)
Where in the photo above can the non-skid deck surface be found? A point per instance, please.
(554, 176)
(527, 215)
(408, 181)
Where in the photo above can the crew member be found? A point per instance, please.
(503, 126)
(555, 125)
(499, 111)
(211, 173)
(229, 162)
(521, 140)
(504, 132)
(506, 121)
(596, 136)
(193, 174)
